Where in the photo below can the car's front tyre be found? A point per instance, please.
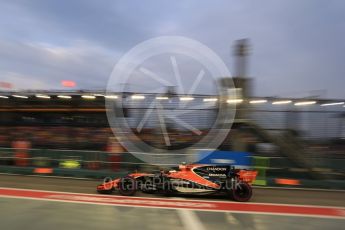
(127, 186)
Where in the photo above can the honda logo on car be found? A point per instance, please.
(217, 174)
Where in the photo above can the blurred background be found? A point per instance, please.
(285, 58)
(300, 138)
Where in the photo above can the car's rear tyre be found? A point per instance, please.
(242, 192)
(127, 186)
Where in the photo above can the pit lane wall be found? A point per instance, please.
(273, 171)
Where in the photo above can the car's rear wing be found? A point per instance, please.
(247, 176)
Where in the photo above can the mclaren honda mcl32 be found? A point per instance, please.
(187, 179)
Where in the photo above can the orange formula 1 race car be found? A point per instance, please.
(187, 179)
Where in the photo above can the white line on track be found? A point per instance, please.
(189, 219)
(194, 209)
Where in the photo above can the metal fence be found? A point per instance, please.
(93, 161)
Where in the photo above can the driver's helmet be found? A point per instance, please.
(182, 166)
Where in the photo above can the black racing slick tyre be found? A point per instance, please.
(127, 186)
(242, 192)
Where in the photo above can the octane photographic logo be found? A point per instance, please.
(164, 184)
(134, 64)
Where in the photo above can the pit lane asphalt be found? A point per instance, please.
(261, 195)
(18, 214)
(41, 214)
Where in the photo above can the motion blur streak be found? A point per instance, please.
(276, 209)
